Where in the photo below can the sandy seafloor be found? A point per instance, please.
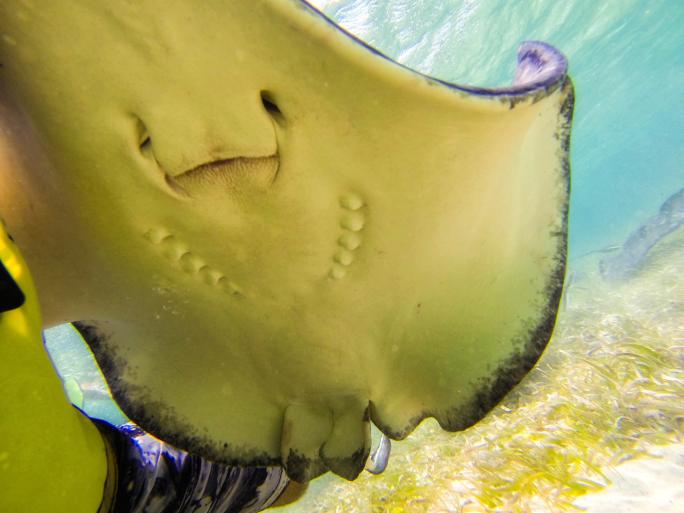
(654, 483)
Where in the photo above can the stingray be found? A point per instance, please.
(632, 254)
(270, 234)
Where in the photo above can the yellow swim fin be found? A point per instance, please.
(51, 457)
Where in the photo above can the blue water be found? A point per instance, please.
(77, 367)
(626, 60)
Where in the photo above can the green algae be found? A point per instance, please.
(609, 388)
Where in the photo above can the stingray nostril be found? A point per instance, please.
(146, 145)
(150, 165)
(272, 107)
(143, 137)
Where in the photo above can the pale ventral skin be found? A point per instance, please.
(270, 233)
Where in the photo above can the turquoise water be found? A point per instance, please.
(627, 62)
(84, 383)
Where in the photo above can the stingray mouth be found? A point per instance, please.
(232, 174)
(229, 175)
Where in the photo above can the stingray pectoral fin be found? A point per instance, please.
(466, 345)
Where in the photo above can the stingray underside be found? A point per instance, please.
(286, 235)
